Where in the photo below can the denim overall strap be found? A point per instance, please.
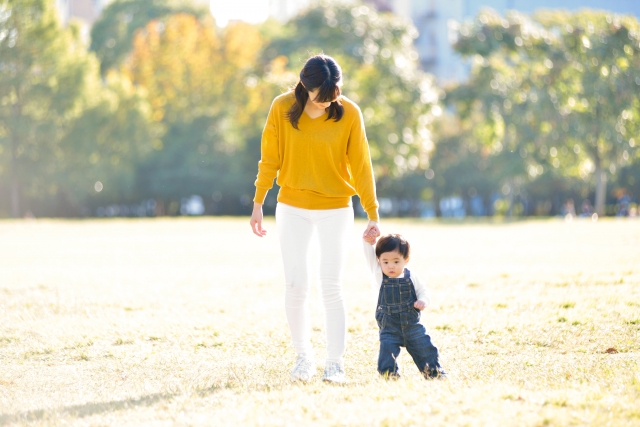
(407, 274)
(399, 286)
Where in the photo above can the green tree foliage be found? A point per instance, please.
(557, 88)
(175, 106)
(459, 165)
(202, 93)
(65, 134)
(112, 35)
(44, 73)
(104, 146)
(380, 72)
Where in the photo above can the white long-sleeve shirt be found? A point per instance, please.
(422, 292)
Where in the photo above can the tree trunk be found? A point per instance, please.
(601, 190)
(601, 176)
(15, 197)
(15, 183)
(510, 210)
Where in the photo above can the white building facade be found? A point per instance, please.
(85, 10)
(283, 10)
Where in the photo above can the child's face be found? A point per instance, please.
(392, 263)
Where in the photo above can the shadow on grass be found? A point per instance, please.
(86, 409)
(92, 408)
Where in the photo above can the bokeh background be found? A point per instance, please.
(473, 108)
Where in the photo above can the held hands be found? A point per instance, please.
(420, 305)
(256, 221)
(371, 233)
(370, 239)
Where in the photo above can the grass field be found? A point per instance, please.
(181, 322)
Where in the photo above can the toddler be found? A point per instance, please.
(401, 297)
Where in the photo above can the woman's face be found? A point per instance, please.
(320, 105)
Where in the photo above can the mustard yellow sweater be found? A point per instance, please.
(319, 166)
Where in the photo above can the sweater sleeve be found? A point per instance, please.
(361, 168)
(370, 256)
(373, 267)
(422, 292)
(270, 161)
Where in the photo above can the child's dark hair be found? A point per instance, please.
(319, 72)
(393, 242)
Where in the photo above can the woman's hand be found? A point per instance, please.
(372, 232)
(256, 220)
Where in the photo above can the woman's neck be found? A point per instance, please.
(313, 111)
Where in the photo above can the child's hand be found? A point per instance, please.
(371, 233)
(371, 237)
(370, 240)
(420, 305)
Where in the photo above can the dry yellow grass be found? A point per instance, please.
(181, 322)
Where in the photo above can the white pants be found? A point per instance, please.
(295, 229)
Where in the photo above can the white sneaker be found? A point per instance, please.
(303, 369)
(334, 373)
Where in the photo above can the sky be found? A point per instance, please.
(252, 11)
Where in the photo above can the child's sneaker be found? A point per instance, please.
(304, 369)
(334, 373)
(437, 373)
(390, 375)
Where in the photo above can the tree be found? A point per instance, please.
(112, 136)
(202, 93)
(44, 72)
(461, 166)
(112, 35)
(565, 81)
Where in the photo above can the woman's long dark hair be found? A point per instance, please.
(319, 72)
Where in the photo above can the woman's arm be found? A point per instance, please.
(361, 168)
(267, 169)
(256, 220)
(269, 163)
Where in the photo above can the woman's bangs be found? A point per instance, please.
(328, 92)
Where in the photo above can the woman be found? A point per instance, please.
(314, 142)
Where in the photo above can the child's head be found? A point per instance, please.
(392, 252)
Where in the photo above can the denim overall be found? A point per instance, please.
(400, 326)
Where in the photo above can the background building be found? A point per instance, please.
(85, 10)
(283, 10)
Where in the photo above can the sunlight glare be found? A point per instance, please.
(252, 11)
